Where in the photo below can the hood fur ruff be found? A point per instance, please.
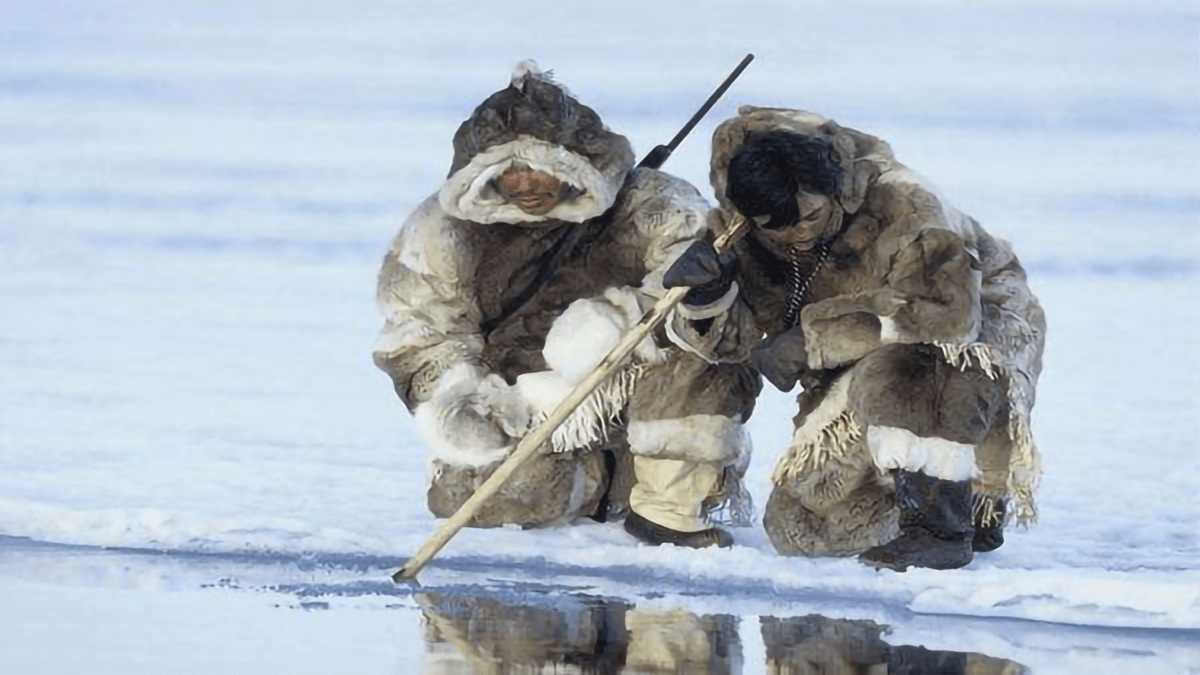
(853, 148)
(469, 194)
(537, 122)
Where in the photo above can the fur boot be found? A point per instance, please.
(935, 525)
(652, 533)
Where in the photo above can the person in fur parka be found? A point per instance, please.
(912, 330)
(504, 289)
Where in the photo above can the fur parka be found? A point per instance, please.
(489, 307)
(919, 324)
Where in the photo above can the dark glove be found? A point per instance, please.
(710, 276)
(782, 359)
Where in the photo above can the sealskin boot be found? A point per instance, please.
(990, 537)
(935, 525)
(652, 533)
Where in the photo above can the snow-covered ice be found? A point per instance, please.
(194, 199)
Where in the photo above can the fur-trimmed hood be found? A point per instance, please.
(534, 121)
(909, 268)
(861, 156)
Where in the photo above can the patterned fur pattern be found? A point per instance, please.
(544, 490)
(452, 291)
(920, 322)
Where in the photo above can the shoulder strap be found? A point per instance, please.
(573, 240)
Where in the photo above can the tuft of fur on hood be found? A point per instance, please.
(535, 122)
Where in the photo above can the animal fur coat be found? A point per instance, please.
(923, 345)
(493, 310)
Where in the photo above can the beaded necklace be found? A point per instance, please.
(798, 283)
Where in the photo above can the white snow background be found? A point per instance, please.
(194, 200)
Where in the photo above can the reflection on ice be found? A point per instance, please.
(817, 644)
(466, 633)
(583, 634)
(498, 620)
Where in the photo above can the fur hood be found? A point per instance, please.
(534, 121)
(446, 279)
(860, 155)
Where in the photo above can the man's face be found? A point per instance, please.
(816, 214)
(534, 192)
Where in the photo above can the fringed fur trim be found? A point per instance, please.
(578, 341)
(470, 195)
(984, 512)
(733, 505)
(975, 355)
(831, 430)
(591, 421)
(1024, 464)
(1024, 471)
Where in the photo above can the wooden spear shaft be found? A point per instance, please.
(533, 441)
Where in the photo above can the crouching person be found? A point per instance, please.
(912, 331)
(504, 289)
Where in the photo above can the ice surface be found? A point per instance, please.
(195, 196)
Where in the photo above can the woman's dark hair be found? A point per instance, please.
(765, 173)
